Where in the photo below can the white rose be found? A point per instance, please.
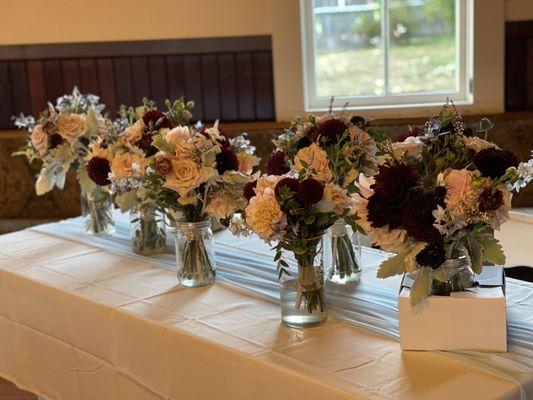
(71, 126)
(39, 139)
(410, 147)
(476, 143)
(127, 164)
(134, 133)
(185, 176)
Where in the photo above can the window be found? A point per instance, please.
(379, 53)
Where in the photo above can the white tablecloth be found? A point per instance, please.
(82, 318)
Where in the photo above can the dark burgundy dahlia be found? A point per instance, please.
(145, 144)
(310, 191)
(489, 201)
(494, 162)
(432, 256)
(227, 160)
(154, 120)
(98, 169)
(391, 193)
(331, 130)
(249, 190)
(55, 140)
(276, 164)
(290, 184)
(418, 216)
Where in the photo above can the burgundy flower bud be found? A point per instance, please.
(154, 120)
(163, 165)
(489, 201)
(227, 160)
(276, 163)
(289, 183)
(248, 191)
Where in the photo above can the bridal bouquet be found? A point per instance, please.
(200, 173)
(434, 201)
(294, 205)
(124, 164)
(348, 142)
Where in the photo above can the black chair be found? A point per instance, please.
(521, 272)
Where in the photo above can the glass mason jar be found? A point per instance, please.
(97, 212)
(303, 300)
(458, 276)
(148, 230)
(342, 253)
(195, 253)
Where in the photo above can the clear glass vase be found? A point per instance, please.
(342, 254)
(195, 253)
(97, 212)
(148, 231)
(303, 300)
(458, 276)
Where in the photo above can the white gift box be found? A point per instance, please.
(471, 320)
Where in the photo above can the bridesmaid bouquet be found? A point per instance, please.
(348, 142)
(61, 139)
(437, 196)
(61, 135)
(123, 167)
(294, 205)
(199, 173)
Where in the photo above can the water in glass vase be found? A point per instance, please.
(342, 254)
(148, 231)
(303, 300)
(97, 212)
(195, 253)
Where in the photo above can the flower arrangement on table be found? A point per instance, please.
(60, 138)
(306, 190)
(200, 173)
(349, 145)
(435, 199)
(124, 166)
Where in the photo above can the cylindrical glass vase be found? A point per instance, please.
(342, 254)
(303, 300)
(97, 212)
(148, 231)
(195, 253)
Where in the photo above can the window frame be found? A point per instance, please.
(464, 73)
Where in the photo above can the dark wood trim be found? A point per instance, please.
(132, 48)
(516, 29)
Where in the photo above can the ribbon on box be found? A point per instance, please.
(490, 277)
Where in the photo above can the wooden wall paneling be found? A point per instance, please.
(228, 87)
(140, 82)
(157, 76)
(263, 88)
(37, 86)
(123, 81)
(53, 78)
(106, 84)
(20, 92)
(210, 93)
(193, 83)
(71, 75)
(516, 91)
(529, 74)
(6, 103)
(88, 76)
(245, 86)
(175, 81)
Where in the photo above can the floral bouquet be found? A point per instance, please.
(294, 205)
(350, 148)
(123, 166)
(60, 138)
(200, 173)
(437, 196)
